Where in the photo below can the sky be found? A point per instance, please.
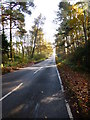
(48, 9)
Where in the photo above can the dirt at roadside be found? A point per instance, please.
(76, 91)
(13, 68)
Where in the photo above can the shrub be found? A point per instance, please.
(39, 56)
(81, 56)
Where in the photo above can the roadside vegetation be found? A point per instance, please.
(72, 54)
(76, 88)
(22, 48)
(19, 46)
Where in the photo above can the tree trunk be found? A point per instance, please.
(85, 34)
(11, 33)
(2, 19)
(66, 49)
(3, 27)
(22, 52)
(77, 42)
(84, 28)
(34, 43)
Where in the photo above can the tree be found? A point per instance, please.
(82, 8)
(13, 13)
(38, 22)
(73, 31)
(21, 33)
(73, 18)
(5, 47)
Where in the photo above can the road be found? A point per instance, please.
(33, 92)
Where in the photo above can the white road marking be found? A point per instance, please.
(37, 70)
(67, 105)
(60, 80)
(69, 110)
(36, 110)
(11, 91)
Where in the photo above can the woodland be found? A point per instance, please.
(20, 47)
(72, 42)
(73, 50)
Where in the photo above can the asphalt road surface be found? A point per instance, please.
(33, 92)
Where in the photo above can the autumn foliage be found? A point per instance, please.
(76, 90)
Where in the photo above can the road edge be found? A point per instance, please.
(66, 102)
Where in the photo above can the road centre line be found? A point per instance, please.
(11, 91)
(17, 87)
(37, 70)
